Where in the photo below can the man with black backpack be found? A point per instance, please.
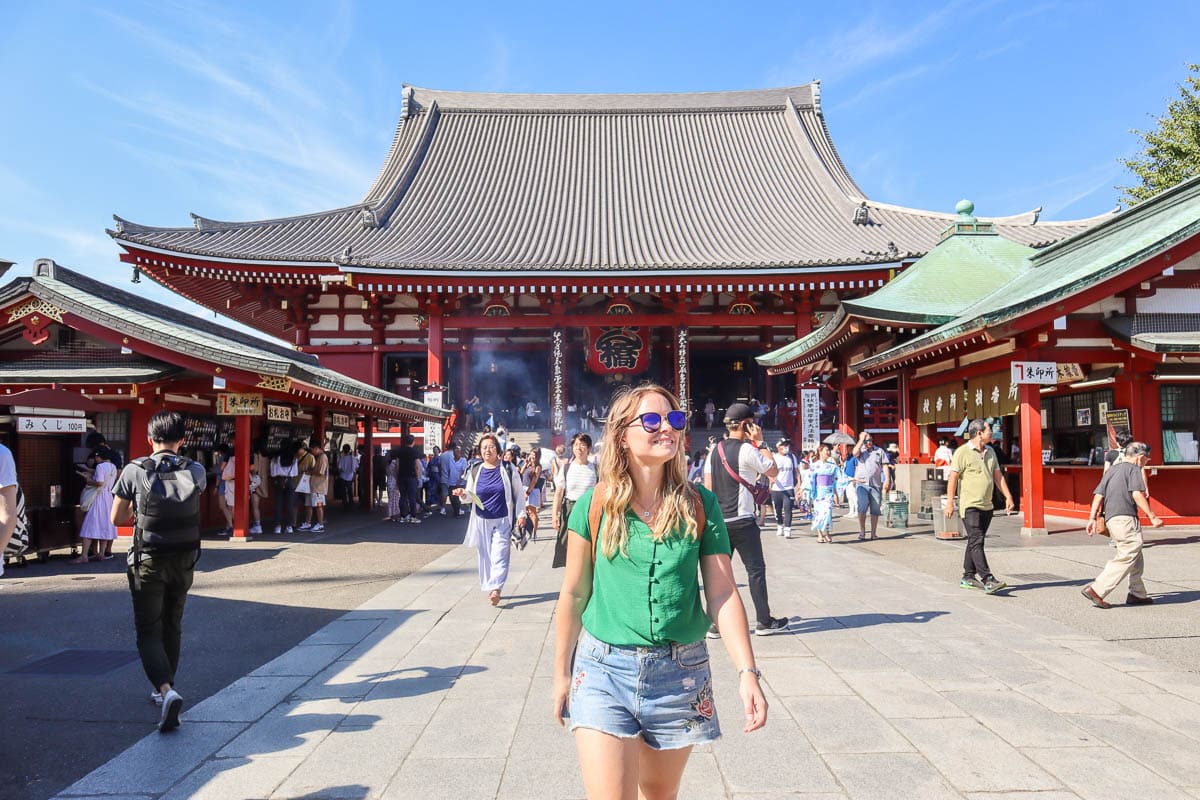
(733, 467)
(162, 495)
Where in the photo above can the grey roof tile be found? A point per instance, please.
(672, 182)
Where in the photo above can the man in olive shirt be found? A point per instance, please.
(1122, 491)
(974, 475)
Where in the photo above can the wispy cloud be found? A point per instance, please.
(872, 41)
(1057, 197)
(496, 74)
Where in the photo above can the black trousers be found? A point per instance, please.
(976, 521)
(158, 610)
(746, 540)
(782, 501)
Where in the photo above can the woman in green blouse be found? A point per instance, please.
(631, 661)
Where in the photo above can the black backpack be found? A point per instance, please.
(168, 514)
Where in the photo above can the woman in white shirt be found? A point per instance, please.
(783, 488)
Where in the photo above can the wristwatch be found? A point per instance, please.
(755, 671)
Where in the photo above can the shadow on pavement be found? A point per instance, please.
(518, 600)
(1169, 598)
(813, 624)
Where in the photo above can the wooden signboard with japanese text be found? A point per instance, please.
(238, 404)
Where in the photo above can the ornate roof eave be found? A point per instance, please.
(58, 286)
(812, 347)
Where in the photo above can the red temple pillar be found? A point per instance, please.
(1033, 508)
(241, 477)
(318, 425)
(139, 447)
(367, 467)
(907, 424)
(434, 359)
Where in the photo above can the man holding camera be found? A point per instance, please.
(733, 467)
(871, 481)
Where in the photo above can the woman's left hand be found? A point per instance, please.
(562, 697)
(753, 701)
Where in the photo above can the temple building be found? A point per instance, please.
(1061, 347)
(529, 251)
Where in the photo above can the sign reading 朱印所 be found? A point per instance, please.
(1040, 372)
(238, 404)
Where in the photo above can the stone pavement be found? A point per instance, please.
(890, 684)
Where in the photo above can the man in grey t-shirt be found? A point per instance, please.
(871, 480)
(1122, 492)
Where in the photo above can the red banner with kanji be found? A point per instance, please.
(613, 351)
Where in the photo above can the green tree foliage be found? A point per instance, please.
(1171, 152)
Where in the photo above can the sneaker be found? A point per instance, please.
(992, 584)
(970, 583)
(318, 528)
(288, 529)
(1134, 600)
(278, 529)
(779, 530)
(787, 533)
(415, 520)
(156, 697)
(713, 633)
(172, 705)
(442, 512)
(256, 530)
(303, 526)
(776, 625)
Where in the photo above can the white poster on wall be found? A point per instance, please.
(810, 419)
(433, 429)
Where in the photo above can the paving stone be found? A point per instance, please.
(1020, 721)
(350, 680)
(352, 763)
(1102, 773)
(1163, 750)
(844, 725)
(245, 700)
(896, 776)
(702, 778)
(292, 729)
(1091, 674)
(1059, 795)
(229, 778)
(973, 758)
(750, 762)
(157, 762)
(488, 738)
(1166, 709)
(447, 779)
(533, 776)
(851, 654)
(344, 631)
(405, 700)
(1184, 684)
(899, 694)
(306, 660)
(944, 672)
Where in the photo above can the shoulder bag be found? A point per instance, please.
(761, 494)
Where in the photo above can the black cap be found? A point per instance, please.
(738, 412)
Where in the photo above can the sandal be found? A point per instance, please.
(494, 597)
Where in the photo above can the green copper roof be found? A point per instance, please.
(804, 344)
(1071, 266)
(969, 263)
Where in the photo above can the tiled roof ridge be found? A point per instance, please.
(453, 100)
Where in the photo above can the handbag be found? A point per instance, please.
(1101, 525)
(302, 485)
(761, 494)
(87, 497)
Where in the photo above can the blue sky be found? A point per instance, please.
(253, 110)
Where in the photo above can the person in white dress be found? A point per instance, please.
(98, 531)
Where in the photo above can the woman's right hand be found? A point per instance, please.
(562, 697)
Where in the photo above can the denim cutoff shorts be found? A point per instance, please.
(869, 500)
(662, 694)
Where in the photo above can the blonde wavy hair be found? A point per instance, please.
(676, 510)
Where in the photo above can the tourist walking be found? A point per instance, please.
(453, 466)
(974, 475)
(733, 467)
(347, 467)
(575, 477)
(497, 497)
(637, 683)
(164, 489)
(1119, 496)
(871, 480)
(98, 531)
(407, 457)
(535, 482)
(824, 492)
(284, 474)
(260, 473)
(393, 486)
(783, 487)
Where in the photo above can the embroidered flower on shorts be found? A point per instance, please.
(703, 704)
(579, 676)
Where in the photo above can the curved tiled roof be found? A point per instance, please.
(520, 182)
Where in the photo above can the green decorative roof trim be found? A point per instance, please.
(812, 340)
